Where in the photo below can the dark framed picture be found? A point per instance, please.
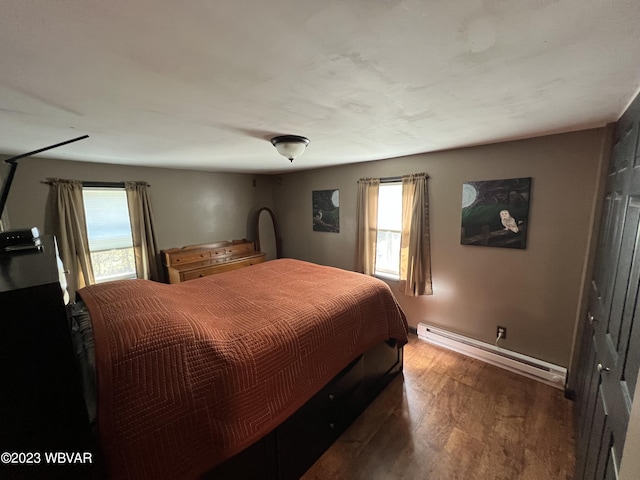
(326, 210)
(495, 213)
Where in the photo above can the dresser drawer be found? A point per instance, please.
(231, 250)
(222, 267)
(240, 249)
(193, 274)
(190, 257)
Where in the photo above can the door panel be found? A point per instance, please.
(588, 394)
(626, 284)
(613, 333)
(611, 363)
(612, 471)
(597, 440)
(632, 361)
(606, 261)
(606, 462)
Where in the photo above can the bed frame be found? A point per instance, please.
(289, 450)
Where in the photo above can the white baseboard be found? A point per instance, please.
(539, 370)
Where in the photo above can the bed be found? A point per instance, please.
(209, 376)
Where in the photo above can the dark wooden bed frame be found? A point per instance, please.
(289, 450)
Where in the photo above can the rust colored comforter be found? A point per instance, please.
(192, 373)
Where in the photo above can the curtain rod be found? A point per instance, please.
(390, 179)
(399, 178)
(103, 184)
(97, 184)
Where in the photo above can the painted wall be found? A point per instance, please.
(535, 293)
(189, 207)
(630, 468)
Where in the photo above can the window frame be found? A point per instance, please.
(93, 186)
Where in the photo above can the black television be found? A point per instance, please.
(10, 165)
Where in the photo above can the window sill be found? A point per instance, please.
(389, 277)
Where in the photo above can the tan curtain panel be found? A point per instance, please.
(71, 233)
(142, 229)
(367, 225)
(415, 250)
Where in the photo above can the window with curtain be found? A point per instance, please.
(109, 233)
(108, 228)
(392, 233)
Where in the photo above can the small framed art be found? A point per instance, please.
(326, 210)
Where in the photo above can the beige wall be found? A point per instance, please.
(630, 469)
(189, 207)
(535, 292)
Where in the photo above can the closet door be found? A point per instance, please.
(610, 360)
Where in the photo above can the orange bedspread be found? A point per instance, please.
(192, 373)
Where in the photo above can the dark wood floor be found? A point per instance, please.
(454, 417)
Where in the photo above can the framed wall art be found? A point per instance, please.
(495, 213)
(326, 210)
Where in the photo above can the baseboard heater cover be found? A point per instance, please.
(539, 370)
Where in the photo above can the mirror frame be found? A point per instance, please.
(275, 231)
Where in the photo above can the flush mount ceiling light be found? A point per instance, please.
(290, 146)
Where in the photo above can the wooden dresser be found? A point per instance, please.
(195, 261)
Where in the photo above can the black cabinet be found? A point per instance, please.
(42, 408)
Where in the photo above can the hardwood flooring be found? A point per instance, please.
(454, 417)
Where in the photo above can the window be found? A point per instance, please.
(109, 233)
(389, 230)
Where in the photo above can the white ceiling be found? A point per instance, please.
(204, 84)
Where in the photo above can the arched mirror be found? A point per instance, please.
(267, 234)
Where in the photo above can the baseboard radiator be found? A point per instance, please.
(539, 370)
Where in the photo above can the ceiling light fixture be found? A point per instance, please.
(290, 146)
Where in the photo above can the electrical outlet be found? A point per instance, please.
(501, 332)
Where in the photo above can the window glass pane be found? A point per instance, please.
(109, 232)
(117, 264)
(107, 216)
(388, 252)
(390, 207)
(389, 227)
